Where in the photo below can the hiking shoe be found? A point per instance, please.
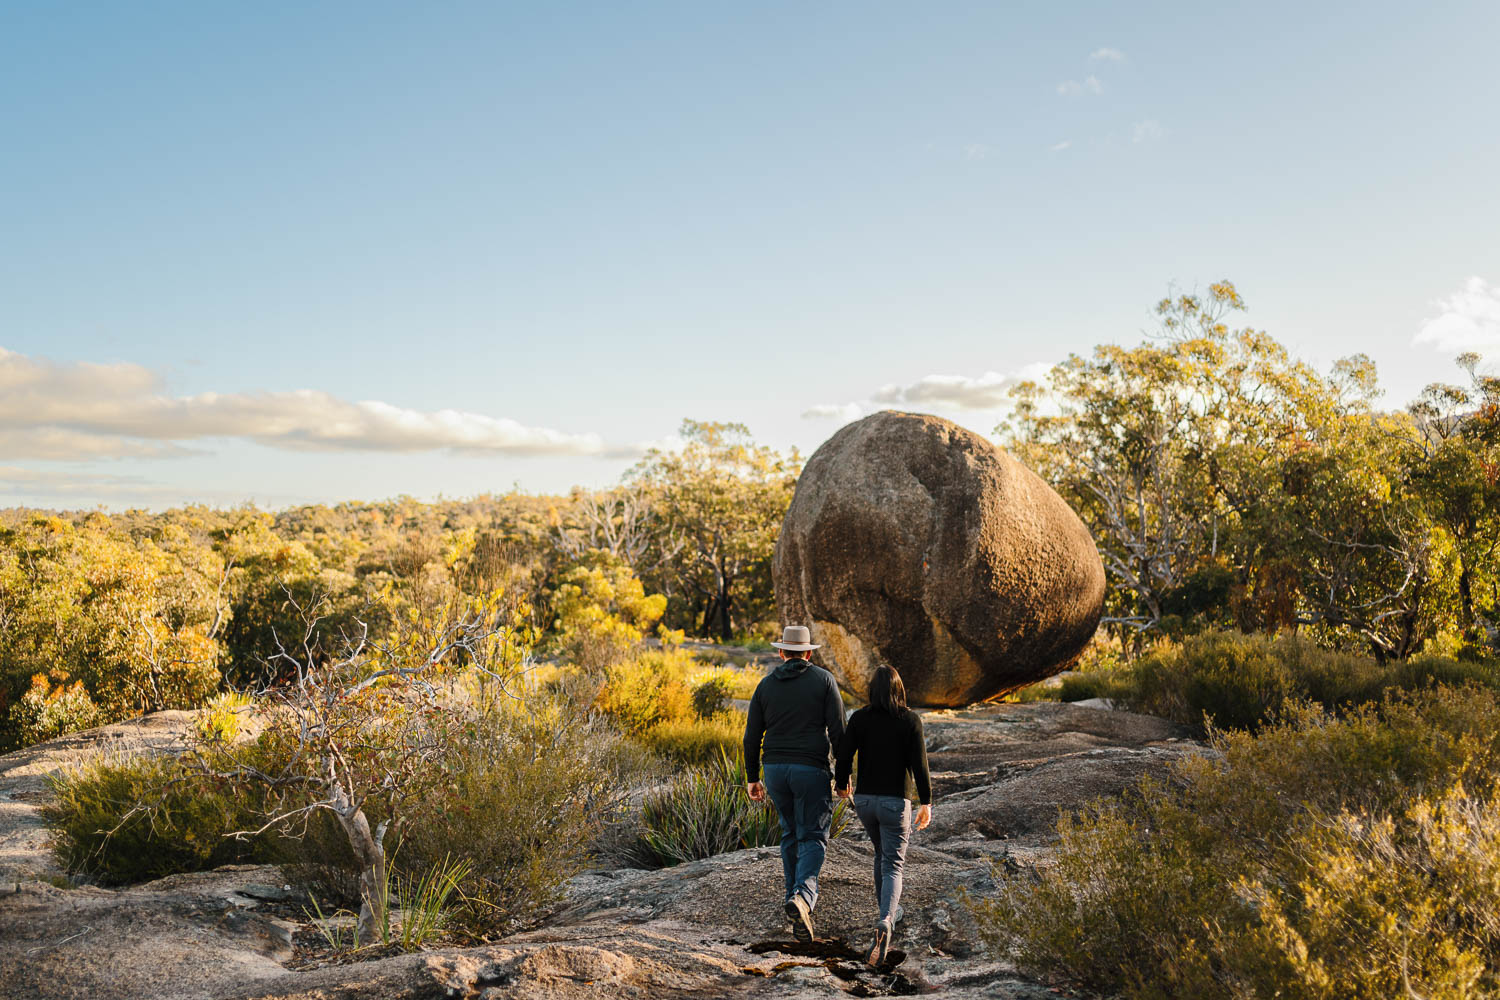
(879, 947)
(801, 917)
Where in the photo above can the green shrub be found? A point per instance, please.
(521, 805)
(697, 742)
(516, 808)
(1323, 857)
(712, 690)
(131, 819)
(1081, 687)
(707, 812)
(1241, 681)
(50, 708)
(648, 689)
(1388, 907)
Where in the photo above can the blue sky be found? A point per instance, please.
(291, 252)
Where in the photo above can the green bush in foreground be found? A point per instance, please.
(1324, 857)
(516, 809)
(522, 805)
(132, 819)
(706, 812)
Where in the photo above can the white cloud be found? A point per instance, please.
(1467, 320)
(987, 392)
(80, 410)
(1107, 54)
(1147, 131)
(842, 412)
(63, 489)
(1058, 147)
(64, 444)
(990, 391)
(1074, 88)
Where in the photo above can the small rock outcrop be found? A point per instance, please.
(915, 542)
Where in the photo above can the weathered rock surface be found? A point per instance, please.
(712, 928)
(915, 542)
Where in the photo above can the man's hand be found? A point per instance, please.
(924, 816)
(756, 790)
(844, 792)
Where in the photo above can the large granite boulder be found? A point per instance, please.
(914, 542)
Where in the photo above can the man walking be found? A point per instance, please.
(796, 710)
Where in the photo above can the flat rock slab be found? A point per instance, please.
(711, 928)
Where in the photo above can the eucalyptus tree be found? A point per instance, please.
(1455, 470)
(1224, 478)
(1166, 449)
(721, 498)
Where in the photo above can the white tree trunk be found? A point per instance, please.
(371, 854)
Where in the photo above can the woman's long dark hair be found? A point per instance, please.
(886, 690)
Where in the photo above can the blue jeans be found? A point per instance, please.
(803, 796)
(887, 819)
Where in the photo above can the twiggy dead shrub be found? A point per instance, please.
(1231, 878)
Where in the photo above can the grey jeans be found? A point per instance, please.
(887, 819)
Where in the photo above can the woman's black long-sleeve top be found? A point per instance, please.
(888, 746)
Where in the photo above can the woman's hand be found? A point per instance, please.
(924, 816)
(844, 792)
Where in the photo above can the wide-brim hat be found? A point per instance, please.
(797, 638)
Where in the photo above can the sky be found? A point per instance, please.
(290, 252)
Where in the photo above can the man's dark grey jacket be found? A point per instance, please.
(797, 710)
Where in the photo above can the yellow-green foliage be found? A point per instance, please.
(673, 706)
(603, 612)
(712, 689)
(1324, 857)
(222, 717)
(52, 707)
(648, 689)
(697, 741)
(129, 618)
(1241, 681)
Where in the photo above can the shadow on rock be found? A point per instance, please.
(847, 965)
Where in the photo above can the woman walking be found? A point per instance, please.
(887, 736)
